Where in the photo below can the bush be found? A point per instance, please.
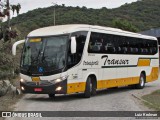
(6, 60)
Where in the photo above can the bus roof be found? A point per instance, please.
(65, 29)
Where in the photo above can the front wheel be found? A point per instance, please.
(141, 83)
(90, 88)
(87, 92)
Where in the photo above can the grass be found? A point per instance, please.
(153, 100)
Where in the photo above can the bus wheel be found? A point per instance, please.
(94, 87)
(88, 90)
(51, 95)
(141, 83)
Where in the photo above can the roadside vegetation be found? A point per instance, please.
(153, 100)
(8, 63)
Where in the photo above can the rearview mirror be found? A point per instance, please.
(73, 45)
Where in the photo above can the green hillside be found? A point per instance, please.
(143, 14)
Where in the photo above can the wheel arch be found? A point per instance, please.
(144, 73)
(93, 78)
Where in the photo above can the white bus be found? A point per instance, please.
(69, 59)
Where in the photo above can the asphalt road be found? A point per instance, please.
(120, 99)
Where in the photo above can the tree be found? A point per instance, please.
(13, 8)
(16, 8)
(6, 33)
(7, 63)
(124, 25)
(63, 5)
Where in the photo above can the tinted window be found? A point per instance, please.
(115, 44)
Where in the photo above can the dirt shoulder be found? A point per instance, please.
(7, 101)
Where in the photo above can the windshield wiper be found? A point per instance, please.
(36, 59)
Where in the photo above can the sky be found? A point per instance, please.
(33, 4)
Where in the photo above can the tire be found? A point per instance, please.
(90, 88)
(141, 83)
(94, 86)
(87, 92)
(51, 95)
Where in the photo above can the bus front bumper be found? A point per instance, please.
(44, 87)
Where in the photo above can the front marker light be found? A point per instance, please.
(22, 80)
(64, 77)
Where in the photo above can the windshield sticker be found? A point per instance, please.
(40, 69)
(114, 61)
(35, 40)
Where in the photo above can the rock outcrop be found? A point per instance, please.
(7, 87)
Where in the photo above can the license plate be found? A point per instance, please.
(35, 79)
(37, 89)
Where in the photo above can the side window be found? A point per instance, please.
(143, 42)
(95, 43)
(146, 47)
(74, 59)
(133, 45)
(119, 44)
(115, 44)
(123, 43)
(102, 43)
(153, 47)
(110, 44)
(137, 44)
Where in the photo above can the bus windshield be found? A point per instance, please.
(46, 52)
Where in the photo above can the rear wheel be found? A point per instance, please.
(51, 95)
(141, 83)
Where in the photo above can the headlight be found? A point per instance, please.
(59, 79)
(22, 80)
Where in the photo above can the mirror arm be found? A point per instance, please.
(15, 46)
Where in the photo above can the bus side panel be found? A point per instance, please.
(154, 73)
(140, 64)
(75, 81)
